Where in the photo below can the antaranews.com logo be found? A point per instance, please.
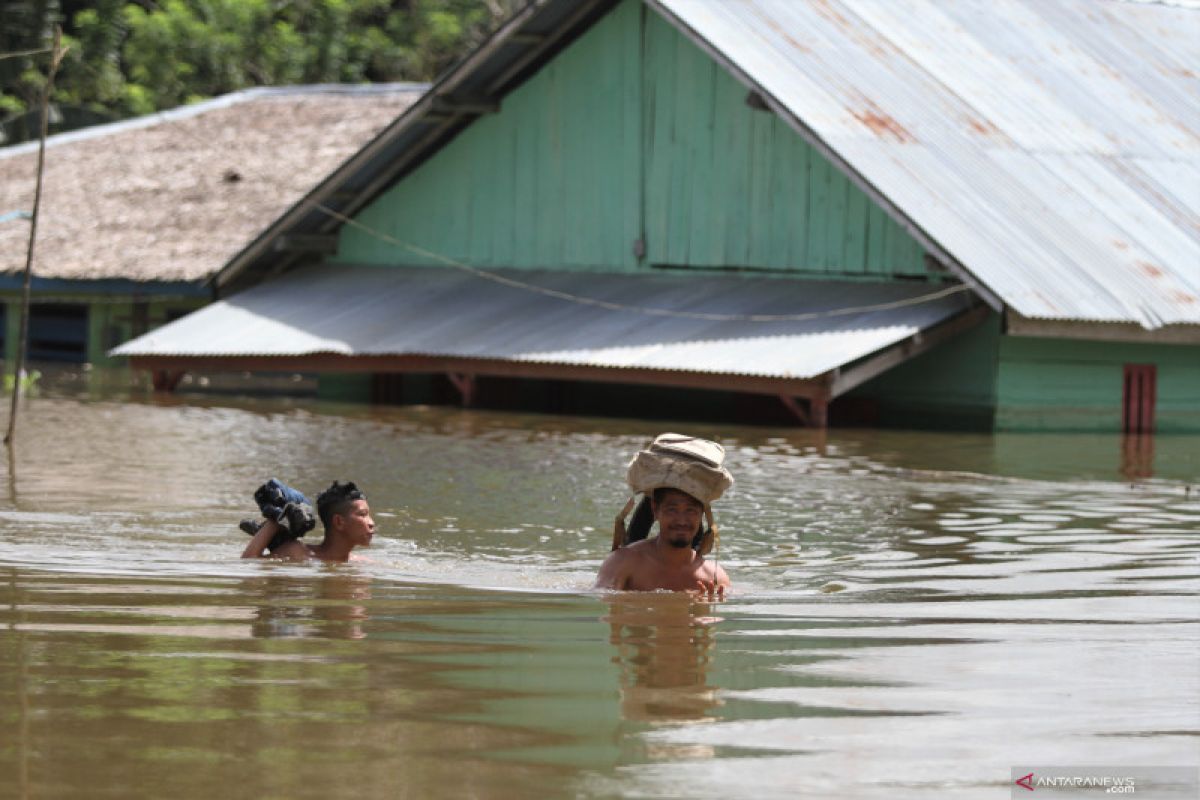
(1146, 783)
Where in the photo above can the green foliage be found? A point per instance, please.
(28, 383)
(128, 58)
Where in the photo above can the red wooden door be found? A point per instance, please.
(1137, 407)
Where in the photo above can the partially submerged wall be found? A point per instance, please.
(1069, 385)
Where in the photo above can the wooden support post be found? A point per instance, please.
(798, 411)
(815, 416)
(166, 380)
(56, 56)
(465, 383)
(818, 411)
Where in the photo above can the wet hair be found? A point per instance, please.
(336, 500)
(640, 523)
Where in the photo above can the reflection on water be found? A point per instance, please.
(912, 613)
(663, 649)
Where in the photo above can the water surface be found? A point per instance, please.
(914, 613)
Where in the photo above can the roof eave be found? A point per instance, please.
(1099, 330)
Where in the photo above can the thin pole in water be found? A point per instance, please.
(56, 56)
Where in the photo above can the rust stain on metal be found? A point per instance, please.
(856, 31)
(779, 29)
(1120, 245)
(1149, 269)
(1183, 297)
(982, 127)
(882, 124)
(830, 13)
(878, 121)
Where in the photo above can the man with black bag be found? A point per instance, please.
(287, 515)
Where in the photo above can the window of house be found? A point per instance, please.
(58, 332)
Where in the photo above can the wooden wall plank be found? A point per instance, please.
(632, 129)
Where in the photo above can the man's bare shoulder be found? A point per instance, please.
(617, 566)
(294, 550)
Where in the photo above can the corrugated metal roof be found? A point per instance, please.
(1048, 146)
(371, 311)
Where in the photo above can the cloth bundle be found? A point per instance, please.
(287, 507)
(676, 461)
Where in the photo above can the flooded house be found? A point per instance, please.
(847, 212)
(137, 216)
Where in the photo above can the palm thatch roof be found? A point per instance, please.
(172, 196)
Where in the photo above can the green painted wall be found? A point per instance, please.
(113, 321)
(630, 133)
(344, 386)
(549, 182)
(984, 380)
(952, 386)
(1067, 385)
(727, 185)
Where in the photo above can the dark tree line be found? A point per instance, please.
(131, 57)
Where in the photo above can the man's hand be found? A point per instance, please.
(709, 589)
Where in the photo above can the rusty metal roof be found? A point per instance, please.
(1048, 148)
(389, 311)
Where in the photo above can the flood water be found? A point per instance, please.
(914, 615)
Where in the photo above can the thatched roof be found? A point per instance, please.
(173, 196)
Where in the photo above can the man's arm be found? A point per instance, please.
(614, 572)
(259, 541)
(258, 544)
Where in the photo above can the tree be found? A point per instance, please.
(129, 58)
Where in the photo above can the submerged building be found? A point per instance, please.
(137, 216)
(901, 213)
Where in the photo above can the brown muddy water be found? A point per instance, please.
(914, 615)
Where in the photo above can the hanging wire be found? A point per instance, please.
(649, 311)
(607, 305)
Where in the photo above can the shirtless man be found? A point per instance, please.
(343, 511)
(667, 561)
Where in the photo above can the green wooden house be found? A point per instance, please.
(893, 213)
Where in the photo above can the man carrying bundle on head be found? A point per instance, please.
(680, 477)
(287, 515)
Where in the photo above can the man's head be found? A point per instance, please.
(679, 516)
(343, 509)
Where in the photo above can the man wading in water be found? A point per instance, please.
(343, 511)
(667, 561)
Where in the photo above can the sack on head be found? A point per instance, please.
(675, 461)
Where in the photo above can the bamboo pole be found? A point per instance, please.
(56, 55)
